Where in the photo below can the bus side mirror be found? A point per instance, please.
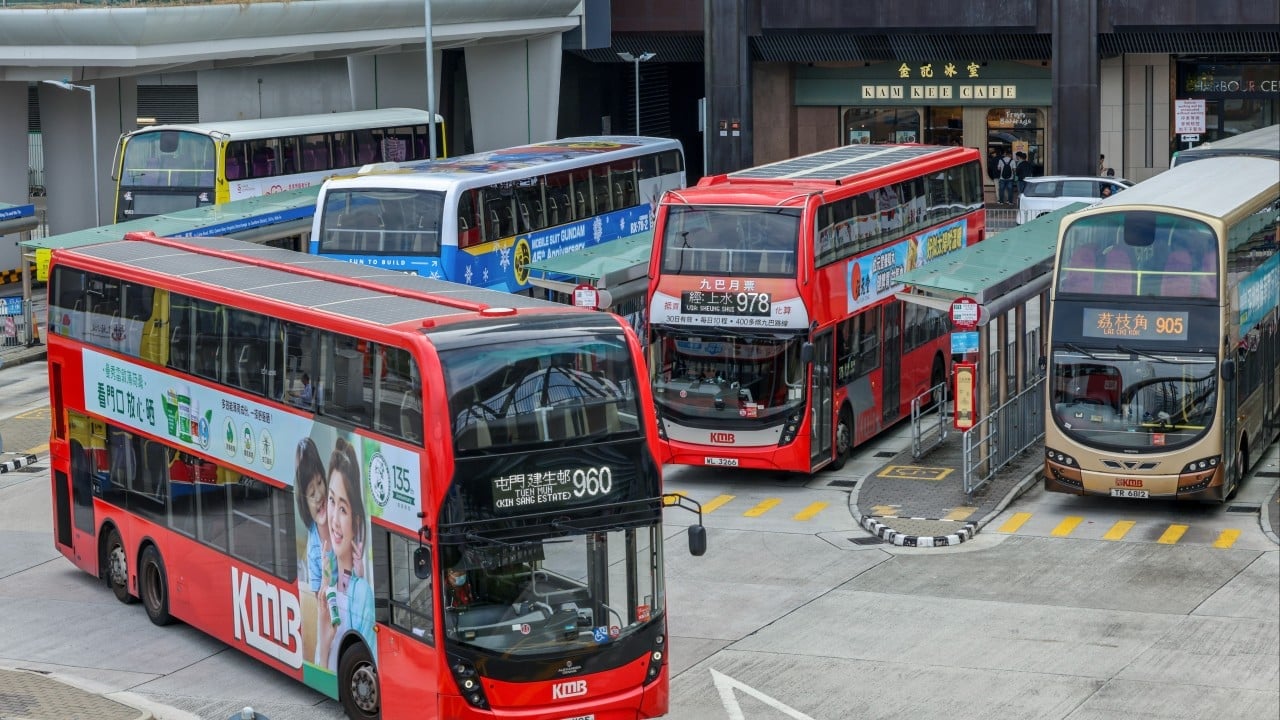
(1228, 370)
(806, 353)
(422, 563)
(697, 540)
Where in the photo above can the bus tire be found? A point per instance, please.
(115, 567)
(844, 439)
(153, 586)
(1242, 467)
(358, 689)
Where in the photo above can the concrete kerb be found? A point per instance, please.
(40, 695)
(913, 531)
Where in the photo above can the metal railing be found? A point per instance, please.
(995, 440)
(1001, 219)
(14, 329)
(929, 424)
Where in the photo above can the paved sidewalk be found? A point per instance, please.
(27, 695)
(922, 503)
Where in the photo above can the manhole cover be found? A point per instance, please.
(866, 541)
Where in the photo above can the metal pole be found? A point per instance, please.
(93, 128)
(431, 78)
(637, 96)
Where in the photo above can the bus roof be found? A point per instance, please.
(357, 292)
(1214, 187)
(840, 164)
(494, 166)
(301, 124)
(792, 179)
(1263, 142)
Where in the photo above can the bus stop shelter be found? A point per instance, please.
(618, 270)
(1001, 275)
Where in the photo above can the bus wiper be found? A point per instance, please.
(1147, 355)
(1082, 351)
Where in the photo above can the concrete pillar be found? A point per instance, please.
(14, 161)
(514, 91)
(1076, 97)
(68, 149)
(727, 62)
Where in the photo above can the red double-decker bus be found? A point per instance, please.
(776, 340)
(421, 499)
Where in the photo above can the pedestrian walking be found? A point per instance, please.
(1022, 171)
(1007, 182)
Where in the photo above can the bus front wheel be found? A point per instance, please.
(844, 439)
(358, 684)
(153, 586)
(116, 570)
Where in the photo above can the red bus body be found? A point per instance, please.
(739, 298)
(127, 468)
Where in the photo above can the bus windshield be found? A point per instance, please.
(727, 376)
(540, 392)
(1141, 253)
(572, 593)
(1134, 401)
(166, 171)
(730, 240)
(356, 221)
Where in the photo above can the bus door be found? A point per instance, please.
(891, 374)
(821, 388)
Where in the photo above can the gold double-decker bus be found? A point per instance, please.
(1164, 355)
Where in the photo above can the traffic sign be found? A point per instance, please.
(1188, 116)
(964, 313)
(586, 296)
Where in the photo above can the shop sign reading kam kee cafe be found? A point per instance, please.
(900, 83)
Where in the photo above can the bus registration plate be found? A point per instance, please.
(1130, 493)
(720, 461)
(581, 717)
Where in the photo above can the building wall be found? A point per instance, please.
(774, 113)
(1147, 108)
(1111, 122)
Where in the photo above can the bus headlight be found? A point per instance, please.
(468, 680)
(789, 429)
(656, 657)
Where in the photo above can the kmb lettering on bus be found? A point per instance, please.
(723, 438)
(267, 618)
(568, 689)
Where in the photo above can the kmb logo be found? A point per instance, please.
(1128, 482)
(722, 438)
(568, 689)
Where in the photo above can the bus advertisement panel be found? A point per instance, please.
(166, 168)
(481, 219)
(260, 470)
(776, 341)
(1164, 356)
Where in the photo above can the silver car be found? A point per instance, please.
(1048, 193)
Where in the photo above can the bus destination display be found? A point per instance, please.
(536, 491)
(712, 302)
(1134, 324)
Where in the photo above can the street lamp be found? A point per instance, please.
(637, 59)
(93, 128)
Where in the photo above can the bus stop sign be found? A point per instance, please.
(964, 314)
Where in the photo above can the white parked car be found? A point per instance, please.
(1048, 193)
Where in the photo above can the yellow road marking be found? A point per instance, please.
(38, 449)
(1226, 538)
(809, 512)
(762, 507)
(715, 502)
(1013, 523)
(1067, 526)
(914, 472)
(1172, 535)
(885, 510)
(960, 513)
(669, 501)
(41, 413)
(1119, 530)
